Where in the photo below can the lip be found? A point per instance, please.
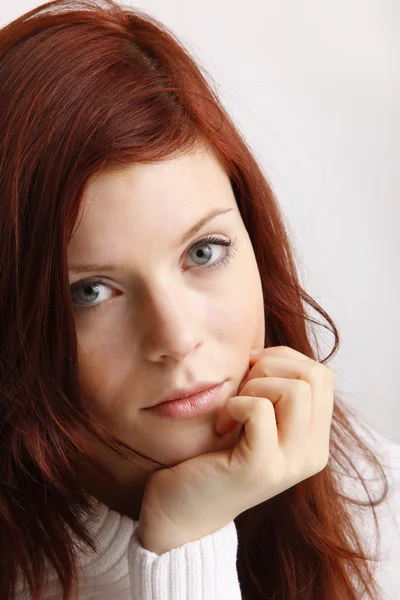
(188, 392)
(189, 406)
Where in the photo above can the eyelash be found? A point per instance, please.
(231, 248)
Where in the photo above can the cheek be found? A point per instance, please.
(106, 345)
(104, 368)
(240, 317)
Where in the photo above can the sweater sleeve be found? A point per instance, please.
(204, 569)
(121, 569)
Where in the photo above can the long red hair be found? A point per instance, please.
(87, 86)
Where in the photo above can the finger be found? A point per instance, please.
(291, 399)
(260, 438)
(255, 355)
(318, 376)
(280, 351)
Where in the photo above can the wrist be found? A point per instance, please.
(162, 539)
(159, 542)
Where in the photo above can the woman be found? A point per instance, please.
(144, 257)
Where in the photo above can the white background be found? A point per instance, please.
(315, 89)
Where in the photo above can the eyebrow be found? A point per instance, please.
(85, 267)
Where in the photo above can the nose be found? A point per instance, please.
(172, 322)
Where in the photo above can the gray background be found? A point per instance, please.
(315, 89)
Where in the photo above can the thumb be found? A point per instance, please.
(254, 357)
(254, 354)
(225, 422)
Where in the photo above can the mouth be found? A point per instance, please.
(190, 406)
(186, 393)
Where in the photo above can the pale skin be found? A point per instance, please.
(285, 404)
(163, 319)
(166, 321)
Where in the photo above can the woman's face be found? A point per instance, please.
(163, 312)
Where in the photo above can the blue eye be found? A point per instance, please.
(86, 289)
(209, 241)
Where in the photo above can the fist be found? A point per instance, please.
(285, 406)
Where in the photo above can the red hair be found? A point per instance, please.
(87, 86)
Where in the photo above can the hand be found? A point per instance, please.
(285, 405)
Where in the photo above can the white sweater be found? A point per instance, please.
(205, 569)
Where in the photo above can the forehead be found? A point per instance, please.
(152, 200)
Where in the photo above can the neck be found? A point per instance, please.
(124, 497)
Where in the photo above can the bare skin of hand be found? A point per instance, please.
(285, 405)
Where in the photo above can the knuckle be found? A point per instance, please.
(320, 371)
(300, 387)
(319, 462)
(330, 375)
(250, 388)
(264, 405)
(316, 368)
(326, 371)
